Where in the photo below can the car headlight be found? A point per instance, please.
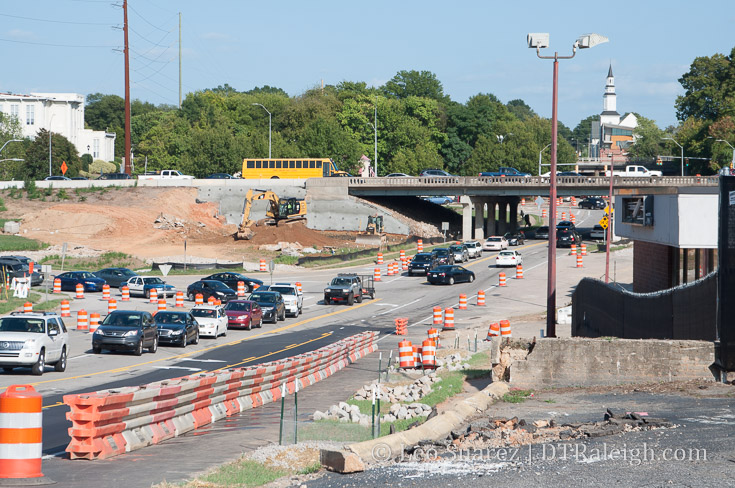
(99, 332)
(345, 290)
(327, 290)
(29, 343)
(90, 283)
(177, 332)
(131, 333)
(267, 309)
(242, 318)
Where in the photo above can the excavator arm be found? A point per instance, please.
(278, 209)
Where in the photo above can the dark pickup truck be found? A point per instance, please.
(349, 288)
(505, 172)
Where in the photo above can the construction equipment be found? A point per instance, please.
(279, 210)
(373, 234)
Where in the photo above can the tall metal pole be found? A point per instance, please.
(682, 159)
(551, 288)
(375, 127)
(610, 222)
(269, 134)
(49, 150)
(127, 88)
(179, 60)
(539, 158)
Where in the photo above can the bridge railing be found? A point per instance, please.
(533, 181)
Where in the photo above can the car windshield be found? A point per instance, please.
(340, 282)
(237, 306)
(420, 258)
(83, 275)
(283, 290)
(506, 253)
(126, 272)
(170, 318)
(442, 252)
(21, 324)
(442, 269)
(456, 248)
(494, 239)
(204, 312)
(218, 285)
(123, 320)
(264, 297)
(153, 281)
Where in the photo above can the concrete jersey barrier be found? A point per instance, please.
(112, 422)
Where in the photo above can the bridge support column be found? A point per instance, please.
(466, 217)
(491, 221)
(479, 204)
(503, 217)
(513, 221)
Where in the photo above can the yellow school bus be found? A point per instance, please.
(289, 168)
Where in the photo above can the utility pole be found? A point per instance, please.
(127, 89)
(179, 60)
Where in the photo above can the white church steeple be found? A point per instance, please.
(609, 113)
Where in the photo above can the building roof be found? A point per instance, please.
(609, 72)
(609, 112)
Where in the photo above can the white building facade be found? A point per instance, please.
(61, 113)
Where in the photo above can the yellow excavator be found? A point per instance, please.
(279, 209)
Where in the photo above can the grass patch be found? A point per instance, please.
(3, 208)
(245, 473)
(333, 430)
(93, 189)
(283, 259)
(106, 260)
(62, 195)
(20, 243)
(550, 400)
(516, 396)
(8, 303)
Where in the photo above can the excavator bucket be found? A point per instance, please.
(370, 239)
(244, 233)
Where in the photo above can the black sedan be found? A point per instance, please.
(179, 328)
(443, 255)
(450, 275)
(592, 203)
(515, 238)
(71, 279)
(542, 232)
(421, 263)
(115, 277)
(565, 237)
(231, 279)
(125, 330)
(272, 304)
(210, 288)
(220, 176)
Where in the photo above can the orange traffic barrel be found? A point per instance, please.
(501, 279)
(463, 301)
(376, 274)
(493, 331)
(574, 249)
(505, 328)
(405, 354)
(179, 299)
(428, 354)
(583, 247)
(433, 335)
(28, 307)
(448, 319)
(125, 293)
(153, 295)
(579, 260)
(82, 320)
(380, 258)
(105, 291)
(57, 285)
(519, 271)
(80, 290)
(402, 253)
(94, 322)
(210, 300)
(65, 309)
(262, 265)
(21, 430)
(298, 287)
(481, 298)
(161, 304)
(199, 299)
(240, 289)
(437, 315)
(416, 355)
(111, 305)
(420, 246)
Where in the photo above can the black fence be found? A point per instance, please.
(685, 312)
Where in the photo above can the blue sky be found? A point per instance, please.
(472, 47)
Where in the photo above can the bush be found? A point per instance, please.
(99, 167)
(31, 189)
(86, 161)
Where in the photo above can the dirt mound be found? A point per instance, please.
(298, 232)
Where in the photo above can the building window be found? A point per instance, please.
(14, 109)
(96, 149)
(30, 115)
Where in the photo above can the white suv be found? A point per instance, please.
(33, 340)
(292, 297)
(474, 248)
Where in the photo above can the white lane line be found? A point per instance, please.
(178, 367)
(397, 307)
(81, 356)
(204, 360)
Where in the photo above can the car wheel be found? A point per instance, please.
(60, 365)
(326, 300)
(282, 316)
(154, 347)
(196, 338)
(451, 280)
(192, 297)
(472, 278)
(147, 294)
(96, 349)
(247, 288)
(260, 324)
(139, 348)
(359, 298)
(300, 311)
(350, 299)
(250, 325)
(38, 368)
(184, 340)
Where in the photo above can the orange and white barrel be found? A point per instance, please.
(505, 328)
(105, 291)
(572, 218)
(428, 353)
(564, 216)
(380, 258)
(241, 288)
(161, 305)
(217, 302)
(57, 285)
(501, 279)
(28, 307)
(579, 260)
(262, 266)
(405, 354)
(298, 287)
(543, 213)
(402, 254)
(82, 320)
(574, 202)
(523, 201)
(584, 249)
(376, 274)
(179, 299)
(574, 249)
(404, 264)
(448, 319)
(493, 331)
(80, 291)
(519, 271)
(21, 431)
(210, 300)
(463, 301)
(481, 298)
(65, 309)
(94, 322)
(199, 299)
(420, 246)
(111, 305)
(433, 334)
(125, 293)
(153, 295)
(390, 270)
(416, 355)
(437, 315)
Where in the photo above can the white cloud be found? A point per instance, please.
(21, 34)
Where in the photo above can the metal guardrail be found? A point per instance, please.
(532, 181)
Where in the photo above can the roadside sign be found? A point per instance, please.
(64, 167)
(607, 209)
(445, 225)
(539, 202)
(604, 222)
(165, 268)
(271, 268)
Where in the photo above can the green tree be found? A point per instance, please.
(36, 165)
(709, 87)
(414, 84)
(648, 140)
(520, 109)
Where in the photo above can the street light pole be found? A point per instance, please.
(269, 128)
(539, 41)
(539, 158)
(732, 164)
(375, 127)
(682, 151)
(609, 222)
(8, 142)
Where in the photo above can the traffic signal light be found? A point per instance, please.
(687, 161)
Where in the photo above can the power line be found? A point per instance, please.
(55, 45)
(144, 19)
(148, 40)
(54, 21)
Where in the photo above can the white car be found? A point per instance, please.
(495, 243)
(292, 297)
(508, 258)
(474, 249)
(212, 320)
(33, 340)
(141, 285)
(597, 232)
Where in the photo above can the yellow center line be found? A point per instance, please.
(210, 348)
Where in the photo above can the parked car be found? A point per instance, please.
(508, 258)
(57, 178)
(71, 279)
(495, 243)
(542, 232)
(292, 297)
(115, 277)
(79, 178)
(14, 268)
(126, 330)
(422, 263)
(33, 340)
(474, 248)
(443, 256)
(271, 302)
(114, 176)
(505, 172)
(230, 279)
(142, 285)
(449, 275)
(212, 320)
(598, 232)
(592, 203)
(460, 253)
(243, 314)
(210, 288)
(178, 328)
(435, 172)
(515, 238)
(398, 175)
(565, 237)
(220, 176)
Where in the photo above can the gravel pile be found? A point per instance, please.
(346, 413)
(453, 362)
(406, 393)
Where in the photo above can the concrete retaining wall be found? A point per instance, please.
(599, 362)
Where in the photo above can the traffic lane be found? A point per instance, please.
(242, 354)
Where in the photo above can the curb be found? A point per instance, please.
(354, 457)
